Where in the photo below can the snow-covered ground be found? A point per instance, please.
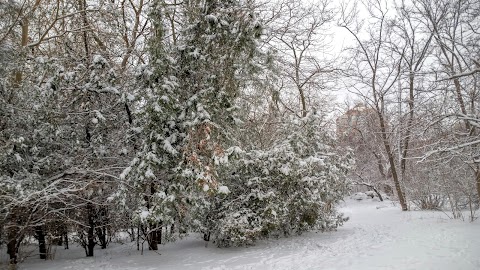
(378, 236)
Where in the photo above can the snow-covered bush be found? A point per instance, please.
(287, 189)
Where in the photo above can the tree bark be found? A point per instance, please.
(102, 237)
(83, 10)
(65, 235)
(159, 235)
(13, 239)
(391, 161)
(19, 73)
(408, 131)
(12, 250)
(42, 248)
(206, 236)
(102, 227)
(91, 230)
(153, 238)
(59, 240)
(477, 177)
(138, 236)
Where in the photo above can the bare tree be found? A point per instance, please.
(453, 26)
(298, 32)
(375, 70)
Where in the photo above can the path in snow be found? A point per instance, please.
(377, 236)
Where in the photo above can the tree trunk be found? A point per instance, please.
(83, 10)
(102, 236)
(12, 250)
(132, 234)
(477, 177)
(391, 161)
(102, 227)
(138, 236)
(65, 235)
(153, 239)
(159, 235)
(153, 234)
(206, 236)
(411, 107)
(42, 248)
(303, 102)
(396, 181)
(18, 73)
(59, 240)
(12, 234)
(91, 230)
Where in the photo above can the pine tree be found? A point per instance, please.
(187, 107)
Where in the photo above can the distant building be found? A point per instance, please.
(354, 121)
(358, 128)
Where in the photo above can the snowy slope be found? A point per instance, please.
(378, 236)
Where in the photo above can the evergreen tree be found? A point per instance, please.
(187, 107)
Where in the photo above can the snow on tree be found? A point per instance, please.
(287, 189)
(70, 124)
(187, 107)
(59, 155)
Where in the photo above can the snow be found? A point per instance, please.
(99, 60)
(99, 115)
(285, 169)
(377, 236)
(18, 157)
(149, 173)
(144, 214)
(211, 18)
(130, 97)
(167, 146)
(223, 190)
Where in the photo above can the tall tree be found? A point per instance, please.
(189, 106)
(453, 26)
(375, 70)
(298, 33)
